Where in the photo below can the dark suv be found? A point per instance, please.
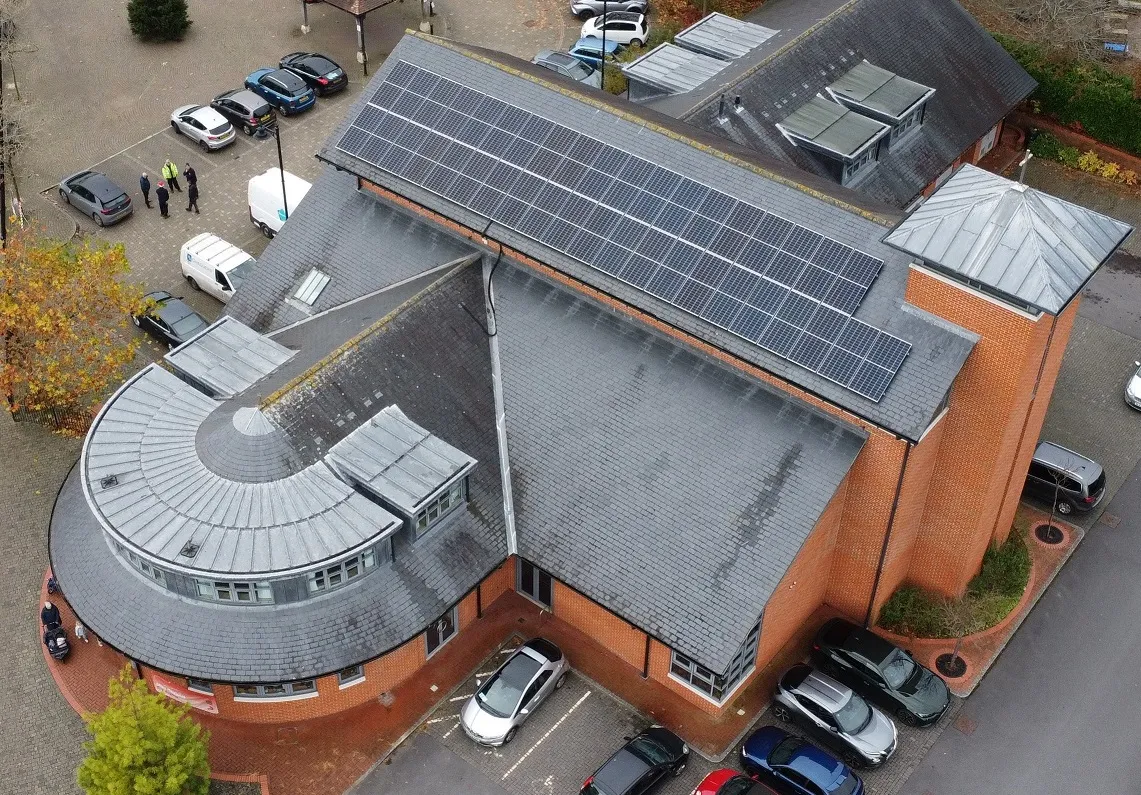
(1069, 480)
(640, 766)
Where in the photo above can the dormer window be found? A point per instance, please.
(452, 497)
(883, 96)
(849, 139)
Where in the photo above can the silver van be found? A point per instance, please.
(1059, 474)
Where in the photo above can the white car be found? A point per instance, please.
(1133, 388)
(623, 27)
(203, 124)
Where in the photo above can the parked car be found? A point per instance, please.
(589, 51)
(1069, 480)
(797, 767)
(731, 782)
(1133, 388)
(93, 194)
(568, 66)
(244, 109)
(881, 672)
(281, 88)
(641, 765)
(210, 263)
(320, 73)
(169, 319)
(203, 124)
(504, 702)
(864, 736)
(585, 9)
(267, 207)
(624, 27)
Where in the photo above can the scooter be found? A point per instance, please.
(55, 638)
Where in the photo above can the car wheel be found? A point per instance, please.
(247, 129)
(853, 760)
(586, 14)
(1064, 508)
(203, 145)
(283, 110)
(636, 42)
(510, 735)
(63, 195)
(135, 320)
(906, 718)
(562, 680)
(265, 230)
(193, 284)
(677, 771)
(174, 126)
(781, 713)
(97, 218)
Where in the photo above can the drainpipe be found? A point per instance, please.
(887, 535)
(646, 659)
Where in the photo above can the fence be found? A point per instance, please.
(68, 420)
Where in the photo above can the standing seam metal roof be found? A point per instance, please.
(723, 36)
(831, 126)
(673, 69)
(878, 89)
(228, 357)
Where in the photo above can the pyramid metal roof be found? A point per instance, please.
(1025, 246)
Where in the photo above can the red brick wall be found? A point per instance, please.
(615, 634)
(498, 582)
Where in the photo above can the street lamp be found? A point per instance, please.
(275, 131)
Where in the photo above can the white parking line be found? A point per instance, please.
(504, 651)
(460, 698)
(431, 721)
(449, 731)
(545, 736)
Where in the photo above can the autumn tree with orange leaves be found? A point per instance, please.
(64, 310)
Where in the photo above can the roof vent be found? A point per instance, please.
(109, 481)
(311, 287)
(189, 549)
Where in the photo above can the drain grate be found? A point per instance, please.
(950, 665)
(1049, 534)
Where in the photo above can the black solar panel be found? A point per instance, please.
(762, 277)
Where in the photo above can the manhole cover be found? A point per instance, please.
(1110, 519)
(951, 665)
(531, 23)
(1048, 534)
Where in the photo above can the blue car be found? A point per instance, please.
(589, 51)
(281, 88)
(797, 766)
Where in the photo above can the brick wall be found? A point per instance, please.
(621, 638)
(498, 582)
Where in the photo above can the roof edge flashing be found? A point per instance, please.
(856, 106)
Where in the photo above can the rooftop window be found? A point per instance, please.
(342, 573)
(832, 130)
(311, 287)
(881, 94)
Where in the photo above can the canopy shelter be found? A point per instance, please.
(359, 9)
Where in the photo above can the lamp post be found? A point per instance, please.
(602, 57)
(281, 168)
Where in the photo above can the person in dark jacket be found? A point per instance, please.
(145, 187)
(192, 196)
(163, 196)
(191, 175)
(50, 615)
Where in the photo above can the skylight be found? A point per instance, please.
(311, 287)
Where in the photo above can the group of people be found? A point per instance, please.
(170, 177)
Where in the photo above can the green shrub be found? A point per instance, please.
(1045, 146)
(1005, 570)
(912, 611)
(158, 20)
(1069, 156)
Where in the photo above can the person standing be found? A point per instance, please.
(49, 615)
(192, 196)
(191, 175)
(145, 187)
(163, 197)
(170, 174)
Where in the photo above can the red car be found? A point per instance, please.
(731, 782)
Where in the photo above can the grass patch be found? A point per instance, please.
(990, 596)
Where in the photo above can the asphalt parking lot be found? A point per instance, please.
(566, 740)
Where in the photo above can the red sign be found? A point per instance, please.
(175, 689)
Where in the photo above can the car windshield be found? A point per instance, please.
(899, 669)
(649, 750)
(321, 66)
(221, 129)
(503, 691)
(186, 326)
(847, 787)
(782, 754)
(855, 715)
(578, 70)
(241, 272)
(738, 785)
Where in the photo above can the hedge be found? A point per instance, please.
(1101, 101)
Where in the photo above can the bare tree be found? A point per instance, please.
(957, 615)
(1073, 27)
(11, 134)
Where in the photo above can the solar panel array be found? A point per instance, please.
(774, 283)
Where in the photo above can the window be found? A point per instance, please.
(908, 123)
(988, 141)
(244, 592)
(441, 631)
(718, 686)
(343, 572)
(311, 287)
(866, 158)
(440, 507)
(534, 583)
(199, 685)
(303, 687)
(153, 572)
(350, 675)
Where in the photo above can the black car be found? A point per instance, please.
(169, 319)
(245, 109)
(881, 672)
(641, 765)
(319, 72)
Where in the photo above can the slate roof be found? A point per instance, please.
(938, 350)
(432, 360)
(228, 357)
(334, 229)
(932, 42)
(665, 485)
(1008, 239)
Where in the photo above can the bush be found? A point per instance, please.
(1069, 156)
(158, 20)
(912, 611)
(1005, 570)
(1045, 146)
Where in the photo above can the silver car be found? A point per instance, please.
(864, 736)
(501, 704)
(1133, 388)
(96, 196)
(585, 9)
(568, 66)
(203, 124)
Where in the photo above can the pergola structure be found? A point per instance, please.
(359, 9)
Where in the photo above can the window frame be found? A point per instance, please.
(199, 686)
(282, 691)
(329, 578)
(451, 616)
(686, 670)
(451, 498)
(260, 592)
(348, 680)
(536, 576)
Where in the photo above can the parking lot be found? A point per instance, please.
(566, 740)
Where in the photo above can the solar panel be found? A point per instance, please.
(773, 282)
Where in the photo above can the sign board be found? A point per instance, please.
(177, 690)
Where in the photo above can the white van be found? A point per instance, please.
(211, 264)
(266, 207)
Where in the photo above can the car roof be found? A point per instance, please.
(101, 186)
(245, 97)
(846, 635)
(587, 43)
(824, 690)
(208, 116)
(620, 771)
(1068, 461)
(173, 309)
(816, 764)
(286, 77)
(625, 16)
(563, 59)
(548, 650)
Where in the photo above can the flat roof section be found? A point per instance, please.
(832, 127)
(673, 69)
(878, 89)
(723, 36)
(228, 357)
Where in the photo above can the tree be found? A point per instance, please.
(143, 744)
(64, 310)
(1072, 27)
(158, 20)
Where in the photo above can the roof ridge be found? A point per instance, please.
(761, 171)
(361, 336)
